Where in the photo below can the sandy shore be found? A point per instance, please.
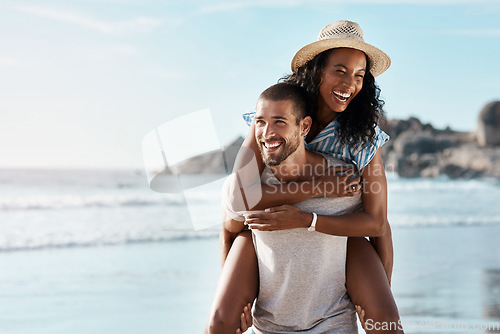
(449, 274)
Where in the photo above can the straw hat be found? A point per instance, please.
(342, 34)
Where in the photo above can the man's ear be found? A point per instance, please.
(305, 125)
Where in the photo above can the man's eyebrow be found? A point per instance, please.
(345, 67)
(274, 117)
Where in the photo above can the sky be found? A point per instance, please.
(83, 82)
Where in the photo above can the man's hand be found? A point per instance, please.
(282, 217)
(246, 319)
(361, 316)
(338, 182)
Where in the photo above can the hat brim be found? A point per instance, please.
(379, 60)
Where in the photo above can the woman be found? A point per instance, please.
(338, 70)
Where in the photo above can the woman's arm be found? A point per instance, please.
(371, 221)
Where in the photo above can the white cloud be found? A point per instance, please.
(235, 5)
(229, 6)
(139, 24)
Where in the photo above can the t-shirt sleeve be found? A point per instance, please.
(249, 117)
(363, 153)
(226, 203)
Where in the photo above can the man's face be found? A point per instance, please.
(276, 130)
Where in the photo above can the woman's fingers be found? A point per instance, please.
(262, 222)
(340, 184)
(262, 227)
(353, 189)
(282, 218)
(279, 208)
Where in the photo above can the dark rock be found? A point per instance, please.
(420, 150)
(421, 143)
(488, 127)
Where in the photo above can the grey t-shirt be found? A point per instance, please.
(302, 274)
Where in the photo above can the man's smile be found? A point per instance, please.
(271, 146)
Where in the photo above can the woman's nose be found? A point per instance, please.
(348, 81)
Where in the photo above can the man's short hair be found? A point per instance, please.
(289, 92)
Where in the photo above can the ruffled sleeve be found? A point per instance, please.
(363, 153)
(249, 117)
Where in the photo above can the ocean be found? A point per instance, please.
(97, 251)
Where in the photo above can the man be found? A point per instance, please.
(301, 271)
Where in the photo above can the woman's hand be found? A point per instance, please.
(338, 182)
(282, 217)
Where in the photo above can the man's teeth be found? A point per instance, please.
(272, 145)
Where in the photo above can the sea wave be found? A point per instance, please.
(54, 202)
(448, 220)
(19, 240)
(70, 240)
(440, 184)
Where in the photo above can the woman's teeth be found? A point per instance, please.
(342, 96)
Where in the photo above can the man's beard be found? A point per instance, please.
(288, 148)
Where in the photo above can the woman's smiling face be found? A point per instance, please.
(341, 79)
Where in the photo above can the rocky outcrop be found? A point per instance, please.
(488, 125)
(420, 150)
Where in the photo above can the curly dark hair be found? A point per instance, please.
(357, 123)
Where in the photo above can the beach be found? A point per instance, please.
(447, 276)
(441, 275)
(114, 257)
(144, 288)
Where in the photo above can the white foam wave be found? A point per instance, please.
(402, 220)
(20, 242)
(80, 201)
(398, 184)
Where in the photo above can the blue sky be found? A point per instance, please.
(82, 82)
